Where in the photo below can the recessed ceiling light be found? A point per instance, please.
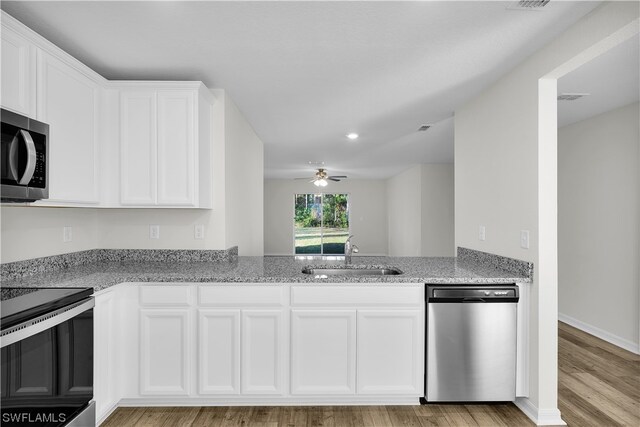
(352, 136)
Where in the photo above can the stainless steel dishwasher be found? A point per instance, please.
(471, 343)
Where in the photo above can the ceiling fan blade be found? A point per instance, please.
(307, 177)
(333, 178)
(338, 176)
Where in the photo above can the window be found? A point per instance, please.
(321, 223)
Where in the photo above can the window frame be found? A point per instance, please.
(293, 216)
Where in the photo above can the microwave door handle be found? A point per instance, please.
(31, 158)
(13, 158)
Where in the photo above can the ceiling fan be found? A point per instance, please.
(321, 178)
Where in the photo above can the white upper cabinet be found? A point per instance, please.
(111, 144)
(18, 72)
(138, 127)
(165, 142)
(68, 100)
(176, 147)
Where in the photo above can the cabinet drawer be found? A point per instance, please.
(161, 295)
(234, 295)
(354, 296)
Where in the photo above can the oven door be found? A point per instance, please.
(47, 368)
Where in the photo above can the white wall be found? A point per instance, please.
(505, 178)
(30, 231)
(420, 206)
(404, 204)
(367, 209)
(599, 223)
(437, 207)
(244, 171)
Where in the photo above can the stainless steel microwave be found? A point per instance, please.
(25, 151)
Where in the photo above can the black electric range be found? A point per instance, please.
(21, 304)
(46, 345)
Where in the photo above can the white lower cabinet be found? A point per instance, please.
(105, 388)
(262, 352)
(235, 344)
(219, 351)
(165, 351)
(390, 352)
(323, 351)
(261, 343)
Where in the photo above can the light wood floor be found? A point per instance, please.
(599, 385)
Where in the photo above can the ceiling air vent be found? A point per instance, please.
(423, 128)
(528, 5)
(571, 96)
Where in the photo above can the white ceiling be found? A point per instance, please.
(612, 80)
(306, 73)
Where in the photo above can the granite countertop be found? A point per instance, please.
(101, 274)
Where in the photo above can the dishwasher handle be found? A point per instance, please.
(473, 299)
(472, 294)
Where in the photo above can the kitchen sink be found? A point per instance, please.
(351, 271)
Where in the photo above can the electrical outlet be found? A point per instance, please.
(198, 232)
(67, 234)
(524, 239)
(482, 233)
(154, 231)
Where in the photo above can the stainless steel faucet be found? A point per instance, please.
(349, 248)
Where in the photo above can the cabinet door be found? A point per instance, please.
(68, 101)
(323, 351)
(390, 352)
(104, 355)
(176, 148)
(138, 144)
(219, 351)
(164, 351)
(18, 73)
(262, 354)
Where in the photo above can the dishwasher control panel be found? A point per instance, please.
(472, 293)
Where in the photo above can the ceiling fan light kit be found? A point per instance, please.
(321, 178)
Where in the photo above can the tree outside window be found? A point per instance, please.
(321, 223)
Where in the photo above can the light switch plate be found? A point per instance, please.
(154, 231)
(482, 233)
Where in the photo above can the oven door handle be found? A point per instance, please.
(46, 321)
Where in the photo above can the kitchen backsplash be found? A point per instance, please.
(516, 266)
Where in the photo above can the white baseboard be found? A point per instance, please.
(542, 417)
(269, 401)
(100, 418)
(600, 333)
